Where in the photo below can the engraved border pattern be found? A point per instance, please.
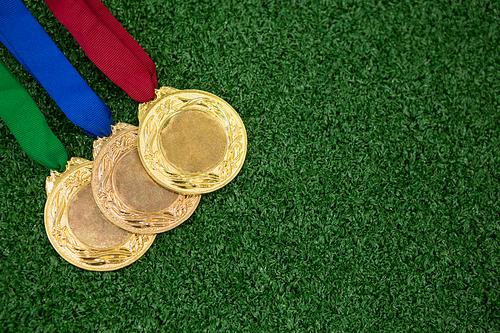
(61, 188)
(108, 155)
(165, 173)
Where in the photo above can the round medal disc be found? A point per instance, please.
(78, 230)
(126, 194)
(190, 141)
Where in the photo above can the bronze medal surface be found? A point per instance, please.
(190, 141)
(78, 230)
(126, 194)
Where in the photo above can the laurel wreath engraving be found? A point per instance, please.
(152, 156)
(56, 215)
(108, 199)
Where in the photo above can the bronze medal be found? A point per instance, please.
(190, 141)
(78, 230)
(126, 194)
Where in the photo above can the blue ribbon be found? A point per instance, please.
(29, 43)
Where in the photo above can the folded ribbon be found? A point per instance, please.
(108, 45)
(30, 44)
(27, 124)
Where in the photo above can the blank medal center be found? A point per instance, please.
(193, 142)
(136, 189)
(89, 225)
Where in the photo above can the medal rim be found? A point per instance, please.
(145, 109)
(100, 145)
(53, 184)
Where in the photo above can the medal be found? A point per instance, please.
(78, 230)
(126, 194)
(190, 141)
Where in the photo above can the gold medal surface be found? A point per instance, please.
(126, 194)
(190, 141)
(78, 230)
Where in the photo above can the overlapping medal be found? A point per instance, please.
(78, 230)
(145, 180)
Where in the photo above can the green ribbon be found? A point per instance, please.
(27, 123)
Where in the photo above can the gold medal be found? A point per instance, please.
(78, 230)
(190, 141)
(126, 194)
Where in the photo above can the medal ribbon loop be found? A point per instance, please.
(33, 48)
(108, 45)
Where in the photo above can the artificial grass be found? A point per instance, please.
(369, 199)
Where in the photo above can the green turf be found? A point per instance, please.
(369, 199)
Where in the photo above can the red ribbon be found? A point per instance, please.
(108, 45)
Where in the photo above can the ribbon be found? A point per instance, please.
(108, 45)
(27, 124)
(33, 48)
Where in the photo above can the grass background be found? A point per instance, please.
(369, 200)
